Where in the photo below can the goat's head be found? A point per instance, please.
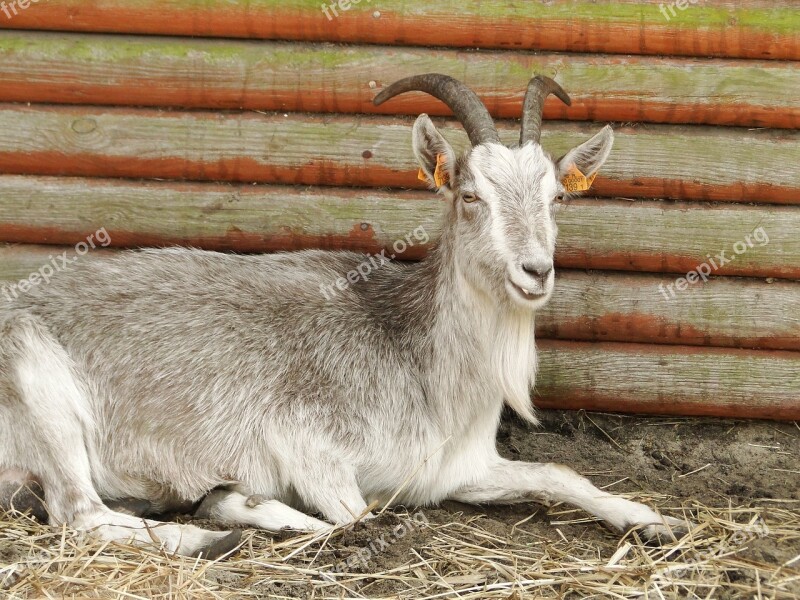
(502, 198)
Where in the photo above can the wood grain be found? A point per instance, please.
(197, 73)
(593, 233)
(727, 28)
(708, 163)
(670, 380)
(611, 339)
(724, 311)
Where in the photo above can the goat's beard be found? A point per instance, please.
(513, 359)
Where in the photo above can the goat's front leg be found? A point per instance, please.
(508, 482)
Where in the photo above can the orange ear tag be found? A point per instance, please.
(440, 176)
(575, 181)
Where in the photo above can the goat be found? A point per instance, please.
(165, 374)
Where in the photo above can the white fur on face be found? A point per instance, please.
(512, 224)
(518, 187)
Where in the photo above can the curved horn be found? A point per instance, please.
(464, 103)
(538, 89)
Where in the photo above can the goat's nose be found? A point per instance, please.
(537, 269)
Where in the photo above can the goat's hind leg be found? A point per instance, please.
(235, 508)
(323, 485)
(45, 428)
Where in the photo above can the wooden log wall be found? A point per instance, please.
(248, 126)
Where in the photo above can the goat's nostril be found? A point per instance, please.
(537, 269)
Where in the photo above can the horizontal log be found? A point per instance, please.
(756, 29)
(670, 380)
(18, 261)
(593, 233)
(244, 218)
(709, 163)
(195, 73)
(724, 311)
(599, 306)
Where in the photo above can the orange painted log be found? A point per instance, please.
(724, 28)
(193, 73)
(698, 163)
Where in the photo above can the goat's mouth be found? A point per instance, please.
(525, 294)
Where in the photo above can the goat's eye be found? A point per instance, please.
(469, 197)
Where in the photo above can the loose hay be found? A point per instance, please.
(450, 556)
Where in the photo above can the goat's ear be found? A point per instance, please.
(588, 157)
(436, 158)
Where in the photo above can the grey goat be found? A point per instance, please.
(162, 375)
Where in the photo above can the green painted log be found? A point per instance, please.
(593, 233)
(624, 307)
(18, 261)
(711, 163)
(755, 29)
(194, 73)
(673, 380)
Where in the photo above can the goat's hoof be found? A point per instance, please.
(668, 531)
(219, 547)
(255, 500)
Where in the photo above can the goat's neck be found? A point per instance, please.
(479, 351)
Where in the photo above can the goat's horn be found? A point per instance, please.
(539, 88)
(464, 103)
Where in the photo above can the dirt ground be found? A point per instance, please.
(740, 479)
(714, 462)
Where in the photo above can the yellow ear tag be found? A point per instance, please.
(440, 175)
(575, 181)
